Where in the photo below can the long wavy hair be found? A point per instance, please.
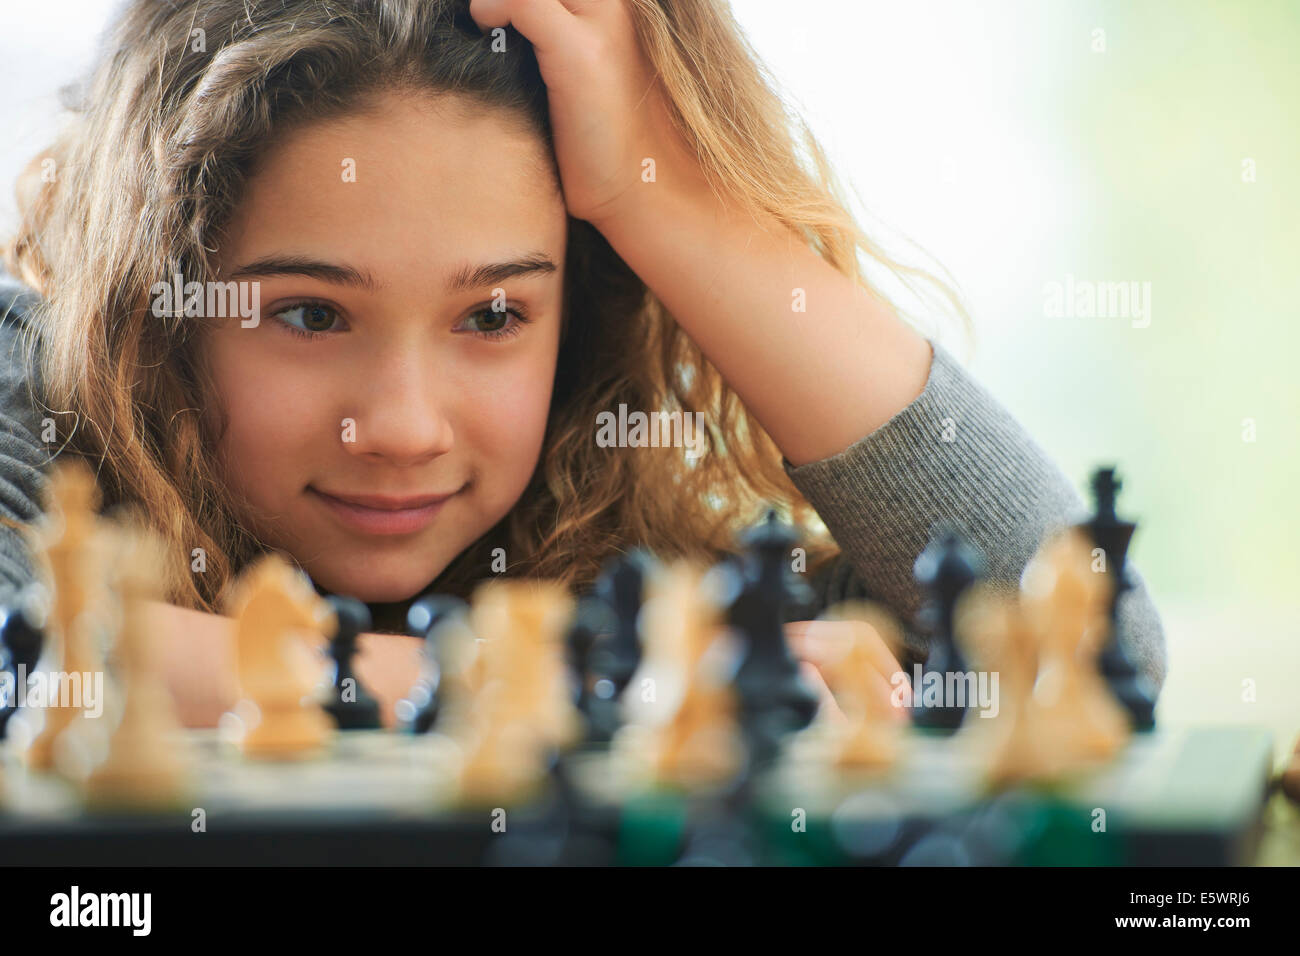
(162, 136)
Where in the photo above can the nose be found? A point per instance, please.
(401, 416)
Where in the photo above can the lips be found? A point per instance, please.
(382, 514)
(386, 502)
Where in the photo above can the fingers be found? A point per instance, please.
(825, 641)
(886, 689)
(881, 655)
(828, 707)
(548, 24)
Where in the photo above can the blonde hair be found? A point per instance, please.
(166, 131)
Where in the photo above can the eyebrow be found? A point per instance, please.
(465, 278)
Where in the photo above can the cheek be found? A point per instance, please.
(268, 407)
(504, 417)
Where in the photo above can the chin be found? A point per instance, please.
(371, 585)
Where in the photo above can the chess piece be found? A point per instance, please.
(145, 767)
(21, 639)
(1108, 532)
(774, 700)
(68, 563)
(944, 570)
(351, 705)
(997, 636)
(594, 694)
(870, 735)
(426, 619)
(280, 626)
(622, 586)
(681, 707)
(510, 707)
(1076, 720)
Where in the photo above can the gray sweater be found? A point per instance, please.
(880, 497)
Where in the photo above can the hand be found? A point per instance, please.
(608, 109)
(198, 661)
(818, 643)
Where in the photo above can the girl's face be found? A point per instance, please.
(383, 415)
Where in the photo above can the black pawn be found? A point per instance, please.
(1108, 532)
(21, 640)
(423, 619)
(594, 696)
(350, 704)
(944, 570)
(622, 587)
(774, 700)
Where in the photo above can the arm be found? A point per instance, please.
(939, 451)
(728, 280)
(818, 381)
(730, 283)
(199, 663)
(881, 497)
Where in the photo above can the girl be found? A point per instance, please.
(471, 230)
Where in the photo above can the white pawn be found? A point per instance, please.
(681, 710)
(997, 636)
(1077, 720)
(146, 765)
(511, 707)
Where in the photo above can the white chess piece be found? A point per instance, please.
(1077, 722)
(281, 624)
(146, 763)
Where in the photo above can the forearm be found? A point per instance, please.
(200, 666)
(198, 661)
(817, 380)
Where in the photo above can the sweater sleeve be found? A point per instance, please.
(23, 457)
(955, 456)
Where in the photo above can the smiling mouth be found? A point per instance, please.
(382, 514)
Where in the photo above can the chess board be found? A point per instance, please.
(1173, 797)
(1181, 797)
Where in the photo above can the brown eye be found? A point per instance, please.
(495, 324)
(309, 317)
(495, 321)
(318, 318)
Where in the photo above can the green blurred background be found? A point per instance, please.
(1017, 145)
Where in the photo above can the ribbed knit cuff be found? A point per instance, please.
(953, 456)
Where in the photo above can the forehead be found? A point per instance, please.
(405, 180)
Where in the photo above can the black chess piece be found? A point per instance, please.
(423, 619)
(622, 587)
(1132, 688)
(774, 700)
(350, 704)
(21, 639)
(593, 621)
(944, 570)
